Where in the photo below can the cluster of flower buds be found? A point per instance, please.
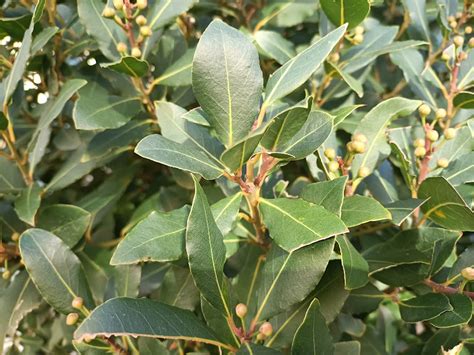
(72, 318)
(358, 144)
(358, 35)
(333, 165)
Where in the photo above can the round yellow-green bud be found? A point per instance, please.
(453, 24)
(121, 47)
(358, 147)
(468, 273)
(108, 12)
(72, 318)
(442, 163)
(445, 56)
(450, 133)
(419, 142)
(142, 4)
(136, 52)
(118, 4)
(420, 152)
(333, 166)
(358, 39)
(334, 57)
(350, 146)
(359, 30)
(77, 302)
(424, 110)
(145, 31)
(432, 135)
(15, 236)
(260, 337)
(141, 20)
(440, 113)
(359, 137)
(363, 172)
(458, 41)
(330, 153)
(241, 310)
(266, 329)
(6, 274)
(468, 30)
(471, 42)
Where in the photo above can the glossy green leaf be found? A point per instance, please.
(445, 206)
(312, 336)
(401, 210)
(297, 70)
(465, 99)
(461, 312)
(357, 210)
(294, 223)
(425, 307)
(28, 203)
(167, 152)
(55, 270)
(328, 194)
(232, 98)
(158, 237)
(356, 268)
(275, 46)
(129, 65)
(352, 12)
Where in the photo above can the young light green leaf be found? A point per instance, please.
(232, 98)
(297, 70)
(351, 11)
(237, 155)
(206, 251)
(55, 270)
(312, 336)
(294, 223)
(129, 65)
(425, 307)
(328, 194)
(28, 203)
(159, 237)
(356, 268)
(359, 209)
(161, 150)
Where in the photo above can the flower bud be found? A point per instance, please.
(468, 30)
(77, 302)
(334, 57)
(359, 30)
(358, 39)
(451, 18)
(432, 135)
(420, 152)
(241, 310)
(6, 274)
(468, 273)
(450, 133)
(141, 20)
(358, 147)
(420, 142)
(145, 31)
(453, 24)
(15, 236)
(108, 12)
(359, 137)
(142, 4)
(471, 42)
(363, 172)
(350, 146)
(458, 41)
(440, 113)
(445, 56)
(266, 329)
(424, 110)
(121, 47)
(136, 52)
(72, 318)
(330, 153)
(118, 4)
(333, 166)
(442, 163)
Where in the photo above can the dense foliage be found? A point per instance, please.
(236, 176)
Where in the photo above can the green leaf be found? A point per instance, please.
(373, 126)
(231, 99)
(147, 318)
(178, 289)
(43, 38)
(237, 155)
(356, 268)
(425, 307)
(129, 65)
(351, 11)
(353, 83)
(297, 70)
(105, 31)
(14, 27)
(312, 336)
(206, 251)
(163, 12)
(460, 170)
(16, 301)
(28, 203)
(328, 194)
(357, 210)
(453, 149)
(294, 223)
(127, 280)
(347, 348)
(465, 100)
(417, 12)
(256, 349)
(445, 206)
(288, 278)
(55, 270)
(10, 176)
(275, 46)
(179, 73)
(225, 212)
(3, 122)
(159, 237)
(461, 312)
(401, 210)
(97, 109)
(68, 222)
(161, 150)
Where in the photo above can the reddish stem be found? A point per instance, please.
(446, 289)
